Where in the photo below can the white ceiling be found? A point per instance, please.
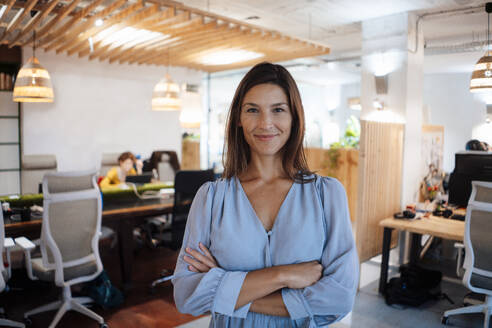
(336, 23)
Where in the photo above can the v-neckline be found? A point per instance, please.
(254, 211)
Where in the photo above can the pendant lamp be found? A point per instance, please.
(166, 95)
(33, 82)
(481, 80)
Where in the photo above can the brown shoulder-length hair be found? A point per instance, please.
(237, 153)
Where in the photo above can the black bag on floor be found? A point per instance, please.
(103, 292)
(414, 287)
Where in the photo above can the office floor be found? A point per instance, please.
(143, 309)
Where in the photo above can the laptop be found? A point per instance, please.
(139, 179)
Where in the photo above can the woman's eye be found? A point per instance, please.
(251, 110)
(278, 109)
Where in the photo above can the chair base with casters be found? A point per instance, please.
(66, 304)
(10, 323)
(485, 308)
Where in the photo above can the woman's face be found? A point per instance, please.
(266, 119)
(126, 165)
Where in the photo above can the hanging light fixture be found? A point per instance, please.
(33, 82)
(166, 93)
(481, 80)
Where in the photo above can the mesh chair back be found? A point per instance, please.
(186, 185)
(481, 238)
(484, 193)
(480, 225)
(72, 216)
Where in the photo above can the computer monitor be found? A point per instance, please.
(469, 166)
(139, 179)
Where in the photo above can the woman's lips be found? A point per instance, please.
(267, 137)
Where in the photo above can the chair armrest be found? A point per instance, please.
(27, 246)
(25, 243)
(8, 243)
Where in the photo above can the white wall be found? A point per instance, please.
(100, 107)
(452, 105)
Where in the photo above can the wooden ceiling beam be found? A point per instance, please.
(115, 25)
(175, 37)
(59, 32)
(72, 33)
(112, 22)
(97, 45)
(197, 37)
(18, 19)
(171, 20)
(34, 22)
(9, 5)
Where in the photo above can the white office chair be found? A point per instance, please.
(7, 244)
(478, 251)
(69, 240)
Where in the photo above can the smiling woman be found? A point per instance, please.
(270, 244)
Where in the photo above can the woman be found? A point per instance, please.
(117, 175)
(270, 244)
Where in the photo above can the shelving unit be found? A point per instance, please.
(10, 124)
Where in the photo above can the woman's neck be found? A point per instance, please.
(266, 168)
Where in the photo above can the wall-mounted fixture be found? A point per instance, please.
(354, 103)
(488, 117)
(378, 104)
(33, 82)
(481, 80)
(191, 113)
(381, 84)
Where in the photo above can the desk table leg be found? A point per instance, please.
(125, 241)
(383, 277)
(415, 250)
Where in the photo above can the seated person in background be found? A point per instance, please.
(129, 165)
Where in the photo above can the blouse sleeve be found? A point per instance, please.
(216, 290)
(332, 297)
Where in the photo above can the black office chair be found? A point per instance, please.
(186, 185)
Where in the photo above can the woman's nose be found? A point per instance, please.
(265, 120)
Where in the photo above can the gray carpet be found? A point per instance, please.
(370, 310)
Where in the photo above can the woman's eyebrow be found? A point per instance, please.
(251, 104)
(279, 104)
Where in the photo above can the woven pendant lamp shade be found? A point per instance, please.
(33, 83)
(481, 80)
(166, 95)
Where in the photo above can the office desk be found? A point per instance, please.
(434, 226)
(122, 216)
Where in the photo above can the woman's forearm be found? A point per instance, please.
(272, 304)
(259, 284)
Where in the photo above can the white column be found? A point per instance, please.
(390, 48)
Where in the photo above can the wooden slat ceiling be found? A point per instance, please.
(157, 32)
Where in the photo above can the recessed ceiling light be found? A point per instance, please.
(98, 22)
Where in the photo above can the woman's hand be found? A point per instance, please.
(301, 275)
(199, 262)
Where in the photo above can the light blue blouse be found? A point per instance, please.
(313, 223)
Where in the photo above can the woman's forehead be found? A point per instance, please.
(265, 93)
